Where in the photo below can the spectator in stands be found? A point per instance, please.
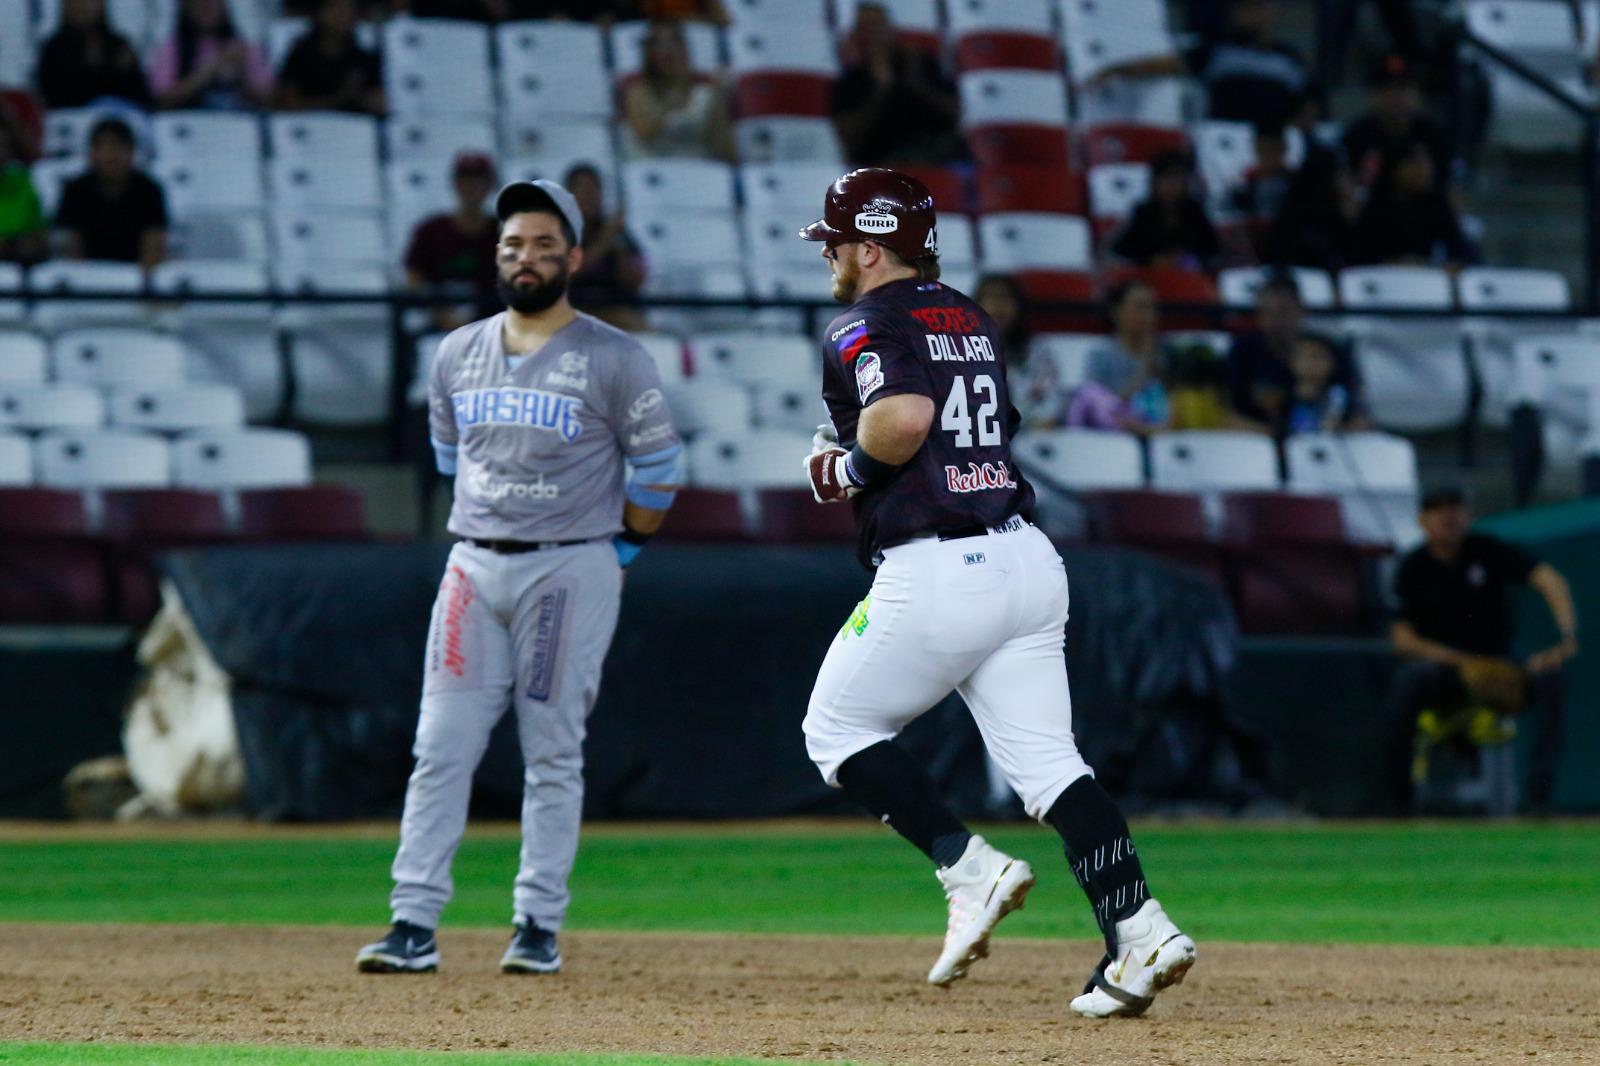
(519, 10)
(206, 64)
(669, 110)
(1266, 185)
(1170, 229)
(22, 224)
(607, 284)
(1261, 381)
(1317, 402)
(85, 60)
(1453, 631)
(698, 10)
(894, 105)
(328, 70)
(1394, 120)
(456, 251)
(1249, 75)
(1035, 382)
(1125, 386)
(1408, 218)
(20, 111)
(114, 210)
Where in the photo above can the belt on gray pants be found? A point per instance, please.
(518, 547)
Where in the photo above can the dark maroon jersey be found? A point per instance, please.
(923, 337)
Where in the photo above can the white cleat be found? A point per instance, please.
(982, 887)
(1152, 954)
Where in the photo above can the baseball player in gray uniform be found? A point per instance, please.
(565, 461)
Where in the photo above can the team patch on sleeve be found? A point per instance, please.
(869, 374)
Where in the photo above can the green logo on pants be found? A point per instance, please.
(858, 618)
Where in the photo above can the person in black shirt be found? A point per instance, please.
(327, 70)
(1259, 378)
(1171, 228)
(894, 105)
(969, 595)
(114, 210)
(1408, 219)
(1394, 120)
(1454, 611)
(85, 60)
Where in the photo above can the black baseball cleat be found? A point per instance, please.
(407, 949)
(532, 950)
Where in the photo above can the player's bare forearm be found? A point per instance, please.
(1414, 646)
(644, 519)
(1553, 587)
(893, 428)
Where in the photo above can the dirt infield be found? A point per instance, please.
(794, 997)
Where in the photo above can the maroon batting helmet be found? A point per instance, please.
(874, 204)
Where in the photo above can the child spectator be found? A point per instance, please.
(22, 226)
(1409, 219)
(206, 64)
(456, 250)
(894, 104)
(1170, 229)
(328, 70)
(1318, 402)
(85, 60)
(1260, 376)
(612, 273)
(669, 110)
(114, 210)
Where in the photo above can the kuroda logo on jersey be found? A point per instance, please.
(553, 412)
(876, 222)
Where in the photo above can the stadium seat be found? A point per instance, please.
(662, 186)
(627, 46)
(140, 524)
(1374, 475)
(754, 459)
(666, 351)
(689, 254)
(345, 182)
(23, 357)
(790, 281)
(50, 176)
(1068, 355)
(798, 187)
(1080, 459)
(1541, 34)
(1224, 153)
(12, 285)
(958, 245)
(945, 184)
(538, 148)
(794, 47)
(1509, 289)
(179, 408)
(1378, 288)
(1212, 461)
(1062, 286)
(792, 516)
(66, 130)
(1098, 35)
(241, 459)
(437, 67)
(549, 67)
(1029, 188)
(1024, 240)
(1001, 144)
(16, 460)
(338, 239)
(747, 357)
(34, 407)
(1170, 525)
(772, 239)
(235, 235)
(315, 136)
(206, 137)
(704, 514)
(1012, 97)
(1558, 373)
(716, 407)
(768, 93)
(1415, 370)
(1295, 570)
(102, 459)
(414, 193)
(783, 13)
(196, 187)
(1006, 50)
(1174, 285)
(312, 512)
(1014, 16)
(793, 408)
(1492, 340)
(86, 275)
(786, 138)
(16, 45)
(50, 571)
(340, 355)
(1239, 285)
(409, 139)
(1118, 142)
(226, 343)
(1115, 189)
(112, 358)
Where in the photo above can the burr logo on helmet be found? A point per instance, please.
(874, 221)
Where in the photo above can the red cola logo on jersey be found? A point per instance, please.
(978, 478)
(459, 597)
(948, 319)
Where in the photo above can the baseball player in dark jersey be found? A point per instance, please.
(565, 461)
(968, 595)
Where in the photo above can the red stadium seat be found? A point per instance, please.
(1176, 286)
(315, 512)
(1171, 525)
(704, 514)
(791, 516)
(50, 568)
(1129, 143)
(766, 94)
(1012, 51)
(947, 186)
(998, 145)
(1063, 286)
(1295, 571)
(143, 523)
(1017, 187)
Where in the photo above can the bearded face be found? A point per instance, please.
(534, 262)
(846, 271)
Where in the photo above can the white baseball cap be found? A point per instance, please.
(539, 195)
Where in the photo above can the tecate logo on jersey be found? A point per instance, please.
(978, 478)
(511, 406)
(876, 222)
(485, 487)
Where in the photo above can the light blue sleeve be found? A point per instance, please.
(664, 467)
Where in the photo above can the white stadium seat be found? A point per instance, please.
(772, 238)
(1557, 371)
(12, 285)
(227, 343)
(1373, 474)
(329, 237)
(689, 254)
(1540, 33)
(796, 48)
(177, 278)
(1005, 16)
(754, 459)
(785, 13)
(627, 46)
(241, 459)
(34, 407)
(1098, 35)
(795, 188)
(50, 177)
(1492, 340)
(235, 235)
(1067, 354)
(958, 243)
(1012, 97)
(23, 357)
(409, 139)
(227, 183)
(1212, 461)
(16, 460)
(1115, 189)
(1080, 458)
(790, 408)
(747, 357)
(543, 149)
(1239, 285)
(206, 136)
(787, 138)
(437, 67)
(790, 280)
(16, 44)
(111, 358)
(66, 130)
(1508, 289)
(312, 136)
(341, 355)
(666, 351)
(102, 459)
(335, 182)
(1415, 370)
(715, 407)
(553, 68)
(86, 275)
(177, 408)
(656, 186)
(1029, 240)
(1377, 288)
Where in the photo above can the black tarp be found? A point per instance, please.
(704, 689)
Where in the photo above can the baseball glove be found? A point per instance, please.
(1495, 683)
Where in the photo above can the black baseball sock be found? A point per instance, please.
(897, 790)
(1101, 853)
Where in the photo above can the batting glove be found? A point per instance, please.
(829, 473)
(824, 439)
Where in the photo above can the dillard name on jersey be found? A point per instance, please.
(943, 348)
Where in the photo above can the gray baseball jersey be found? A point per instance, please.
(540, 448)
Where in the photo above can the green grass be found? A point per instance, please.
(181, 1055)
(1516, 884)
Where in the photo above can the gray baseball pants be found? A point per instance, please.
(530, 632)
